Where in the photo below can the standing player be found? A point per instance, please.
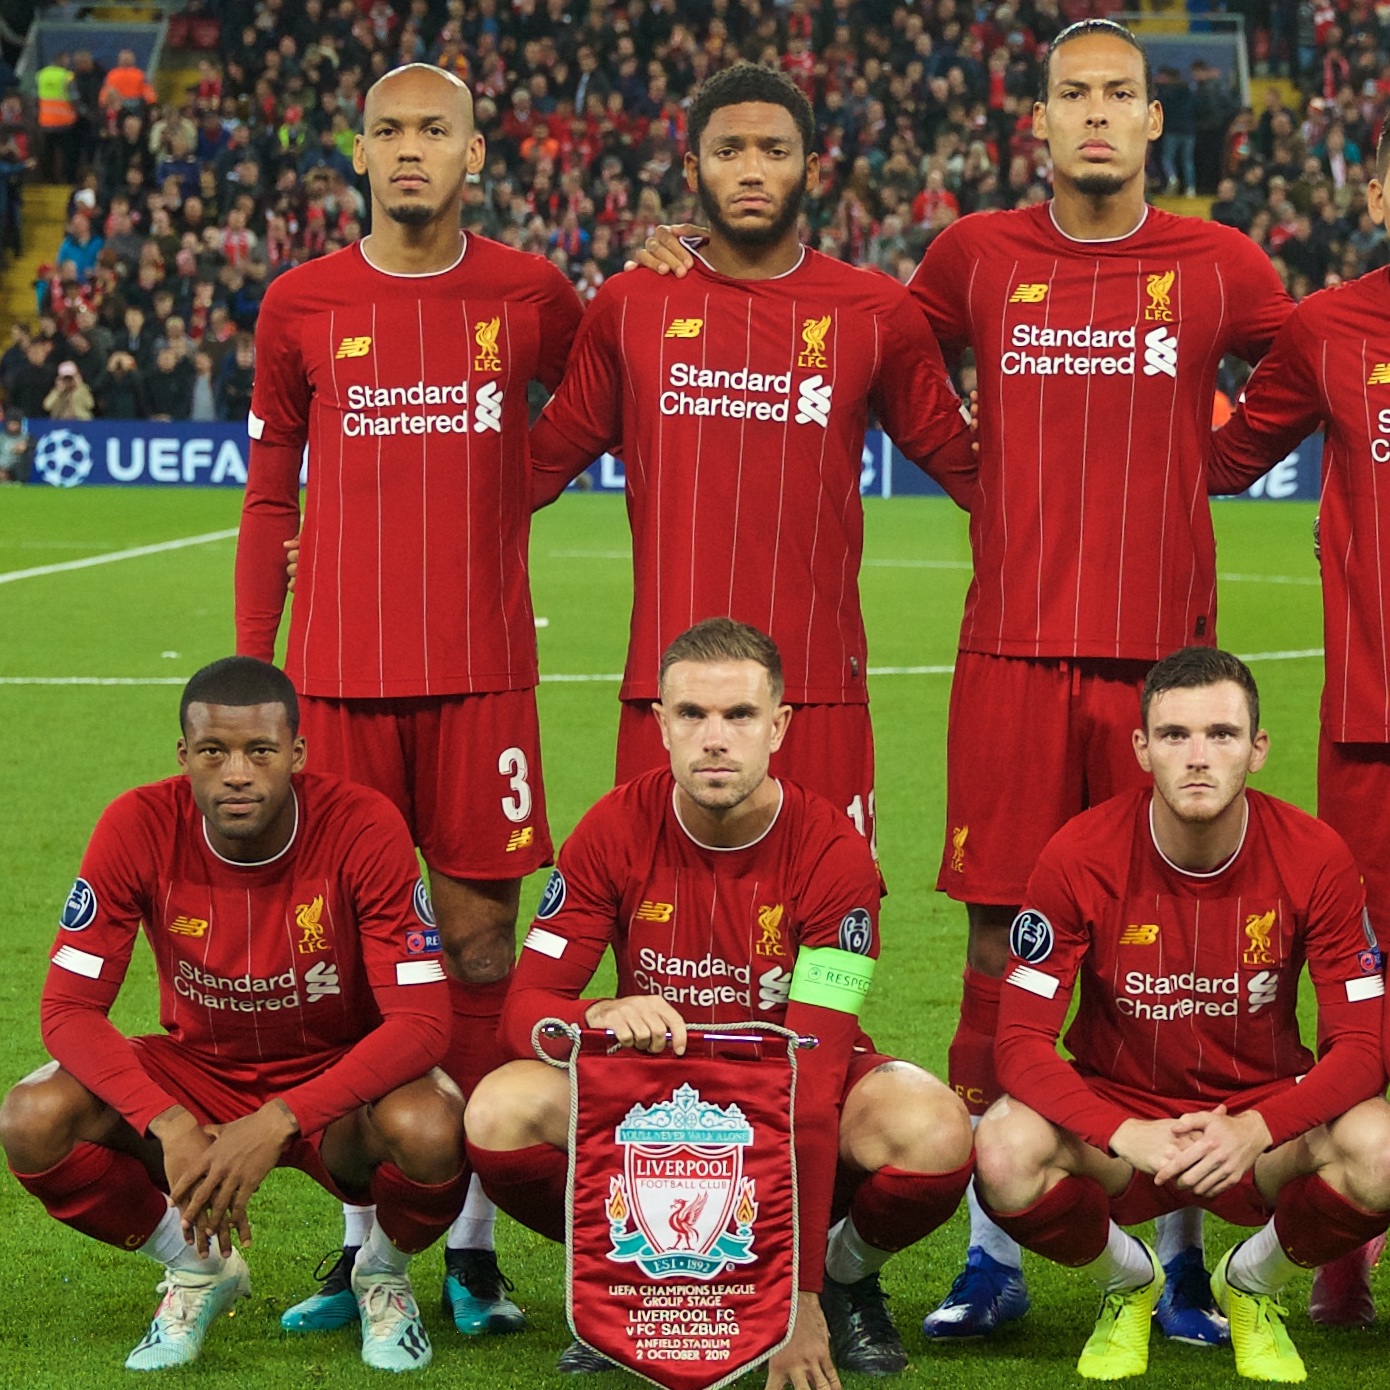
(403, 363)
(1097, 324)
(301, 1019)
(738, 399)
(1330, 368)
(1187, 912)
(715, 841)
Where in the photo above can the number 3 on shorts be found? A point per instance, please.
(512, 765)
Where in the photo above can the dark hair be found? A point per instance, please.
(749, 82)
(1084, 28)
(240, 681)
(1193, 668)
(724, 639)
(1382, 154)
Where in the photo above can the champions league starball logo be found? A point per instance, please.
(63, 459)
(682, 1207)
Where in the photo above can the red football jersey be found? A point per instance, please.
(285, 964)
(1189, 982)
(1097, 366)
(411, 393)
(1330, 366)
(739, 409)
(714, 931)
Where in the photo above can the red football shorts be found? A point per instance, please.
(464, 771)
(828, 749)
(216, 1091)
(1241, 1205)
(1030, 744)
(1353, 794)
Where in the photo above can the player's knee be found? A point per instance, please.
(517, 1106)
(1012, 1148)
(39, 1118)
(903, 1117)
(1362, 1139)
(421, 1126)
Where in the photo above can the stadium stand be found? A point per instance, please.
(183, 207)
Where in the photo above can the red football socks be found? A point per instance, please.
(1316, 1225)
(893, 1209)
(970, 1060)
(1069, 1224)
(101, 1192)
(528, 1184)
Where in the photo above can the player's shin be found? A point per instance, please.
(891, 1210)
(413, 1214)
(528, 1184)
(102, 1193)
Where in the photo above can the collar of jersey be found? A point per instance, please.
(1202, 873)
(695, 251)
(723, 849)
(1098, 240)
(415, 275)
(259, 863)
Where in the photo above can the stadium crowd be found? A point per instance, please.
(183, 213)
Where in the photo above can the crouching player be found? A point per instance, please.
(1188, 912)
(712, 866)
(302, 1018)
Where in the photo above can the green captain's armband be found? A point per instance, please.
(832, 979)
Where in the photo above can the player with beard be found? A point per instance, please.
(738, 398)
(1096, 323)
(403, 363)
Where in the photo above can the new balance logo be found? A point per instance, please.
(1028, 294)
(1160, 353)
(774, 988)
(320, 980)
(1139, 934)
(353, 347)
(813, 402)
(187, 926)
(685, 328)
(1380, 375)
(521, 839)
(649, 911)
(487, 408)
(1260, 990)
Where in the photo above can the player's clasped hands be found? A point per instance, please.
(1222, 1148)
(639, 1021)
(212, 1192)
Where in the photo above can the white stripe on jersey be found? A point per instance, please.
(84, 963)
(548, 943)
(419, 972)
(1367, 987)
(1034, 981)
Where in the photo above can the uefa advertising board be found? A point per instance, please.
(147, 453)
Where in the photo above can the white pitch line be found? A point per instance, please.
(9, 576)
(590, 678)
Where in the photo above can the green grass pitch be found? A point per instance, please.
(72, 1308)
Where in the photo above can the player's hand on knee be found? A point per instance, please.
(805, 1362)
(663, 252)
(639, 1021)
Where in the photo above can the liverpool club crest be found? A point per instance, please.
(682, 1207)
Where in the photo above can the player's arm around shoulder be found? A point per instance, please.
(1258, 302)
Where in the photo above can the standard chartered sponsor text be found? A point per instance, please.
(739, 387)
(1093, 360)
(362, 399)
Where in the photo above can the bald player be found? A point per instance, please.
(402, 364)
